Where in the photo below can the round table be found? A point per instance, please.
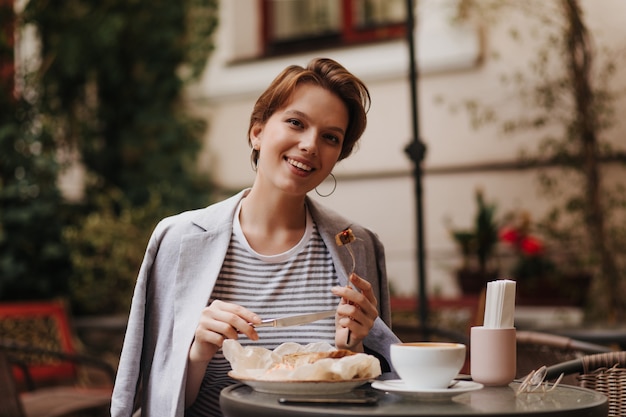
(242, 401)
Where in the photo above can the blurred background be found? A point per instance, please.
(114, 114)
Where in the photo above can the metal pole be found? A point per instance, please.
(416, 151)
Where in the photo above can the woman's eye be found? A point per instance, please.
(332, 138)
(295, 122)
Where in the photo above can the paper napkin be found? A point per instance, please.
(500, 304)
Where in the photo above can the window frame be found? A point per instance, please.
(349, 34)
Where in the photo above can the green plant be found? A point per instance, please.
(34, 263)
(110, 90)
(106, 249)
(477, 245)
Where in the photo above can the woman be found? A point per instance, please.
(210, 274)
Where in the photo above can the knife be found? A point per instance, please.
(296, 320)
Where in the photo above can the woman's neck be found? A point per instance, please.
(272, 225)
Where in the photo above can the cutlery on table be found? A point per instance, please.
(295, 320)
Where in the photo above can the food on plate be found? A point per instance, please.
(293, 360)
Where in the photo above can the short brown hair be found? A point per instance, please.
(328, 74)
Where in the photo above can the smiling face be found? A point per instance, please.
(325, 73)
(301, 142)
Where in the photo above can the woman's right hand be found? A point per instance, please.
(218, 322)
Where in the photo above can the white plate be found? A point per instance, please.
(301, 387)
(397, 386)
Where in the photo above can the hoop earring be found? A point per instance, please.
(254, 157)
(331, 191)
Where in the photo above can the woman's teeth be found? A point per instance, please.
(299, 165)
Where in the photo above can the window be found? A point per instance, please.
(238, 66)
(290, 26)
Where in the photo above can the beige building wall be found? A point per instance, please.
(375, 185)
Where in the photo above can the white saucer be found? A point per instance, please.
(397, 386)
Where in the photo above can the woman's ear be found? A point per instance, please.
(255, 136)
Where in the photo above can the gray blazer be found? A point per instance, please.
(182, 261)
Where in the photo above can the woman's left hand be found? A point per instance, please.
(356, 313)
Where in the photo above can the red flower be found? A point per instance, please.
(531, 246)
(530, 250)
(528, 245)
(509, 235)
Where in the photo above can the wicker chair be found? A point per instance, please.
(535, 349)
(42, 374)
(40, 335)
(59, 401)
(602, 372)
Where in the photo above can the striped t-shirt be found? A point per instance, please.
(294, 282)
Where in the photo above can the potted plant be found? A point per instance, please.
(477, 246)
(541, 280)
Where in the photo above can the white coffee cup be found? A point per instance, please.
(427, 365)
